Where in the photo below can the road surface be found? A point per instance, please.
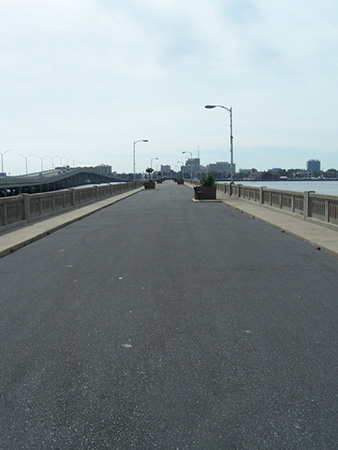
(161, 323)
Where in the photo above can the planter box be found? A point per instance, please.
(180, 181)
(205, 192)
(149, 185)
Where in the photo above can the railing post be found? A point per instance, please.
(73, 198)
(327, 210)
(261, 195)
(4, 213)
(26, 207)
(307, 204)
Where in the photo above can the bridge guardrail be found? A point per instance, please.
(25, 208)
(307, 205)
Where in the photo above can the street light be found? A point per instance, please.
(151, 162)
(231, 138)
(41, 159)
(190, 164)
(26, 157)
(182, 164)
(2, 160)
(135, 142)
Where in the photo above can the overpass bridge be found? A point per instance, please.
(53, 180)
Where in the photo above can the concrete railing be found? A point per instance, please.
(26, 208)
(307, 205)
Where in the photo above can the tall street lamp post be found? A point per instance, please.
(41, 159)
(190, 164)
(182, 164)
(134, 144)
(26, 157)
(2, 160)
(231, 138)
(151, 163)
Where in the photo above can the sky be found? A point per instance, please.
(82, 80)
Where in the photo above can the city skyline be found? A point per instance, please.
(84, 80)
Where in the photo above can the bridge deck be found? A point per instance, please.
(163, 323)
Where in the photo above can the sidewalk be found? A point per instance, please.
(18, 238)
(319, 236)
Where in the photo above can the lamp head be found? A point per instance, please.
(144, 140)
(210, 106)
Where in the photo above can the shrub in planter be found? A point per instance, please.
(150, 184)
(207, 189)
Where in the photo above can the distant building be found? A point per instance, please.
(255, 175)
(103, 169)
(313, 165)
(194, 162)
(220, 167)
(192, 165)
(244, 172)
(165, 170)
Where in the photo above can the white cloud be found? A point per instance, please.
(91, 76)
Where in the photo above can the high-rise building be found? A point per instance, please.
(165, 170)
(313, 165)
(194, 162)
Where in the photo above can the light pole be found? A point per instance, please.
(182, 164)
(2, 160)
(231, 138)
(190, 164)
(151, 162)
(26, 157)
(41, 159)
(135, 142)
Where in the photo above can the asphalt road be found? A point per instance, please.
(161, 323)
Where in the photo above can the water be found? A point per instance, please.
(320, 187)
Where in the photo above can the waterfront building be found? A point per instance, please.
(220, 167)
(313, 165)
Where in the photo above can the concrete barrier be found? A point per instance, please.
(308, 205)
(25, 208)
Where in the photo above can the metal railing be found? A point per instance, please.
(25, 208)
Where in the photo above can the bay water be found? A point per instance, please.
(320, 187)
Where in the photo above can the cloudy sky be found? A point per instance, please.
(84, 79)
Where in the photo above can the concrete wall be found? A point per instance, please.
(25, 208)
(306, 205)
